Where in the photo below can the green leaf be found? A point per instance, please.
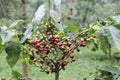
(39, 14)
(117, 13)
(115, 33)
(1, 47)
(16, 74)
(27, 34)
(6, 35)
(116, 18)
(55, 16)
(57, 3)
(13, 52)
(59, 26)
(72, 29)
(117, 25)
(18, 22)
(110, 69)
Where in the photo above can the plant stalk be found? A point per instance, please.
(57, 71)
(57, 75)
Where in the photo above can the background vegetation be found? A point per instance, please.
(76, 13)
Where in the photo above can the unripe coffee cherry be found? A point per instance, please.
(73, 60)
(49, 33)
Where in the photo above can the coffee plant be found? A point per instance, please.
(45, 43)
(106, 34)
(52, 50)
(49, 45)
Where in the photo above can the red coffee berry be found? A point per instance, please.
(37, 51)
(57, 37)
(37, 45)
(83, 43)
(65, 52)
(69, 43)
(55, 43)
(34, 42)
(59, 44)
(38, 41)
(62, 47)
(71, 56)
(45, 52)
(64, 63)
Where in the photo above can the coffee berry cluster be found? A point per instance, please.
(52, 52)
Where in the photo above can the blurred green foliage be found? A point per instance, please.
(84, 11)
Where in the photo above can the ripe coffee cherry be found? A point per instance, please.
(62, 47)
(38, 41)
(64, 63)
(47, 47)
(71, 56)
(65, 52)
(37, 45)
(37, 51)
(49, 33)
(59, 44)
(34, 42)
(55, 43)
(57, 37)
(75, 47)
(45, 52)
(83, 43)
(50, 42)
(69, 43)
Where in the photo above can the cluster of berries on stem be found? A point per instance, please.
(53, 52)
